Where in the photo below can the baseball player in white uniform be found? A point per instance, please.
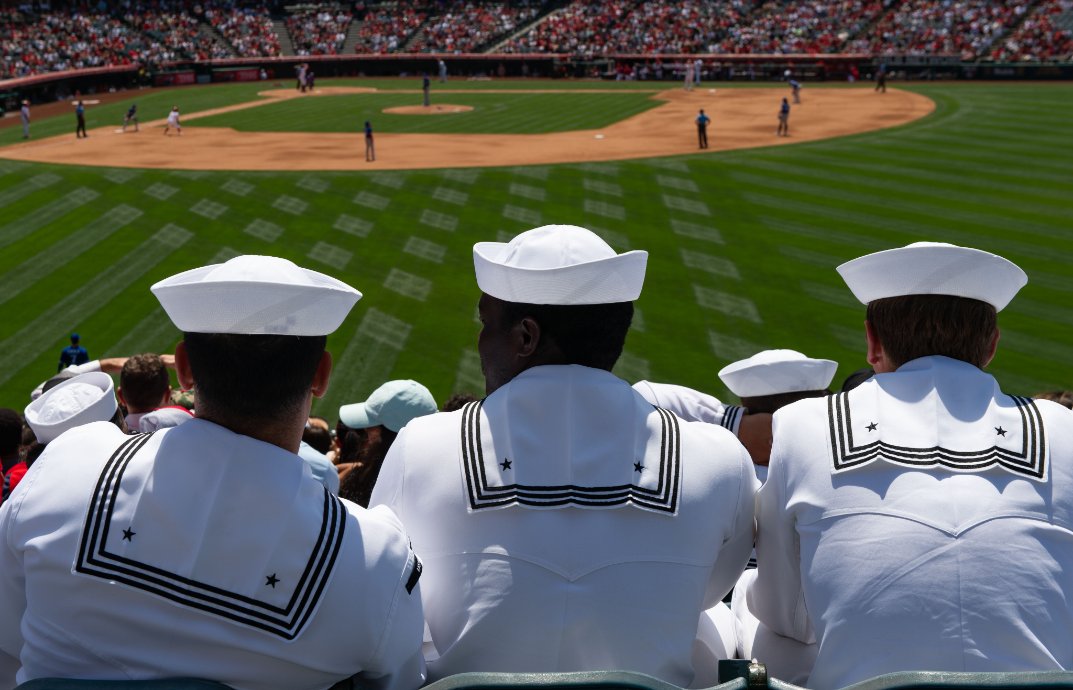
(923, 520)
(565, 523)
(173, 122)
(208, 548)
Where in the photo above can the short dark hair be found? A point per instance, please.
(591, 335)
(771, 403)
(916, 326)
(1064, 398)
(253, 376)
(357, 485)
(144, 381)
(10, 432)
(319, 438)
(457, 401)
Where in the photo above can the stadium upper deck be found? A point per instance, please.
(39, 37)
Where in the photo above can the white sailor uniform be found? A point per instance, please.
(195, 551)
(691, 405)
(924, 521)
(566, 524)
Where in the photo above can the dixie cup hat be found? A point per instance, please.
(558, 264)
(773, 372)
(255, 295)
(934, 268)
(77, 401)
(392, 405)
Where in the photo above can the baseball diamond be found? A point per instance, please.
(757, 218)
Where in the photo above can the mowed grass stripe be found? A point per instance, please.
(40, 266)
(933, 174)
(901, 228)
(40, 217)
(36, 335)
(912, 199)
(492, 113)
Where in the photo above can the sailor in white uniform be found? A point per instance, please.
(766, 382)
(923, 520)
(208, 549)
(565, 523)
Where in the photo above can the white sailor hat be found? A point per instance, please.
(558, 264)
(255, 295)
(773, 372)
(934, 268)
(392, 405)
(80, 400)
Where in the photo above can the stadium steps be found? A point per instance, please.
(889, 6)
(351, 41)
(418, 33)
(212, 33)
(1064, 21)
(985, 53)
(550, 9)
(286, 45)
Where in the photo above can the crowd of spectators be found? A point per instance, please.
(58, 41)
(964, 28)
(1039, 37)
(694, 26)
(466, 27)
(249, 30)
(386, 28)
(319, 31)
(580, 28)
(173, 32)
(815, 26)
(35, 39)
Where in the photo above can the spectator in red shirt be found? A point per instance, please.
(10, 443)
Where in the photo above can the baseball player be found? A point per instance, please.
(795, 90)
(784, 119)
(173, 121)
(131, 116)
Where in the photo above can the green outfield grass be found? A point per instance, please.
(498, 113)
(743, 244)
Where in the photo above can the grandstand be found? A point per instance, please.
(35, 40)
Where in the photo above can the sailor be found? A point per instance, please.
(209, 548)
(565, 523)
(766, 382)
(921, 521)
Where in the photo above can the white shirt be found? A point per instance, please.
(566, 524)
(691, 405)
(922, 521)
(198, 551)
(173, 118)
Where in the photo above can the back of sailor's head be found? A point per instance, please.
(566, 280)
(932, 298)
(255, 329)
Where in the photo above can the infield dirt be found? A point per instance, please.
(741, 118)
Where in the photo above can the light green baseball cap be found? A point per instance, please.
(392, 405)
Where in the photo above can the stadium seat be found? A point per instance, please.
(87, 684)
(939, 680)
(589, 680)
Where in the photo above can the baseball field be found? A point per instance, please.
(743, 238)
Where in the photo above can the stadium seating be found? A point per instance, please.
(466, 27)
(166, 31)
(319, 31)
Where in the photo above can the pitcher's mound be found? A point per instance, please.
(438, 109)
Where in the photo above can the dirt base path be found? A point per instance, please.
(741, 118)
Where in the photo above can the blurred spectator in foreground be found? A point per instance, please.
(1061, 397)
(378, 422)
(10, 446)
